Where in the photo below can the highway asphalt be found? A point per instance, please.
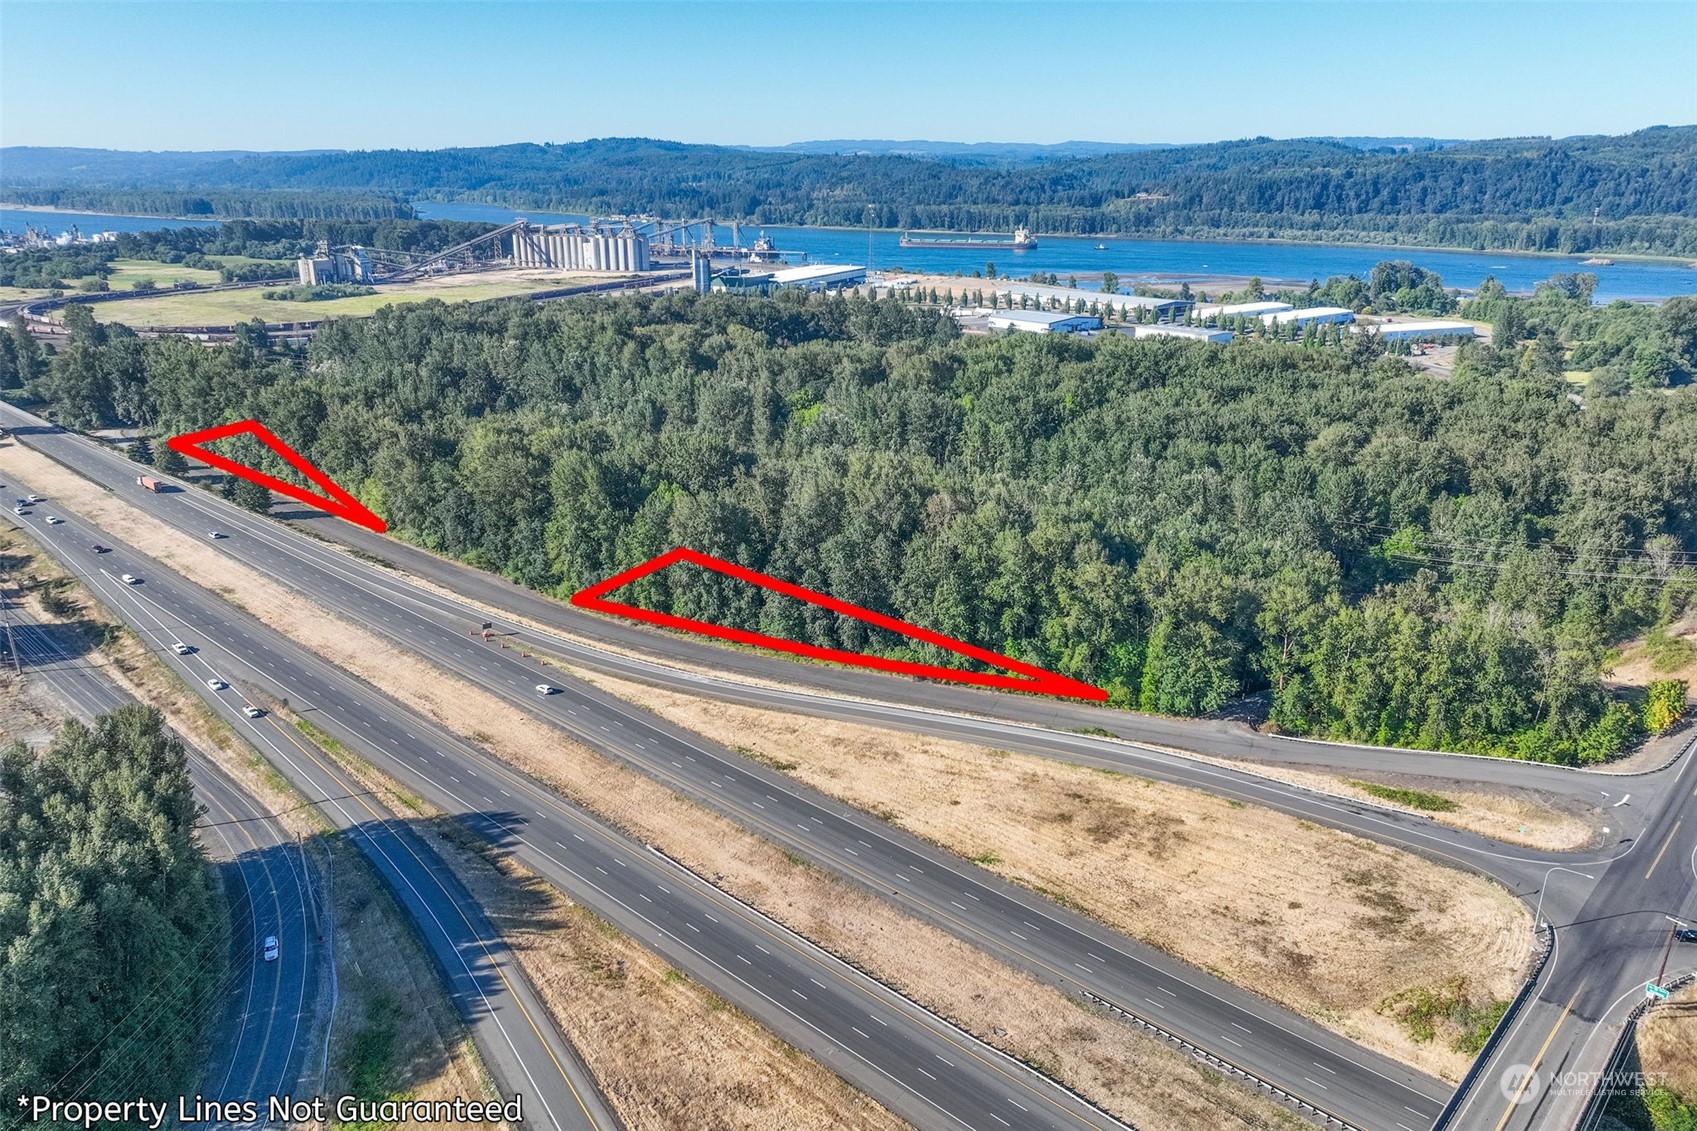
(522, 1048)
(1645, 809)
(926, 1070)
(1314, 1065)
(262, 1044)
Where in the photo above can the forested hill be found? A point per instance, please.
(1636, 192)
(1178, 523)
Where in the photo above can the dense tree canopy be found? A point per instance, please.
(1395, 558)
(109, 931)
(274, 242)
(1636, 192)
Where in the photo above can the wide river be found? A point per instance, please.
(1169, 260)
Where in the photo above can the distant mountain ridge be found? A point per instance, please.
(1015, 152)
(1630, 193)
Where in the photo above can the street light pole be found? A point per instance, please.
(1668, 949)
(1537, 914)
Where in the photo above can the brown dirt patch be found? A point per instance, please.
(1130, 1074)
(1330, 925)
(1506, 817)
(1667, 1043)
(379, 962)
(667, 1052)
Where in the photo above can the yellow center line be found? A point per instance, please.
(757, 920)
(1514, 1100)
(357, 792)
(1666, 844)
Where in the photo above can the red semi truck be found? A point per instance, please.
(150, 483)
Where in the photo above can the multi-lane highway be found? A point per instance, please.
(523, 1049)
(434, 625)
(263, 1043)
(924, 1069)
(1314, 1065)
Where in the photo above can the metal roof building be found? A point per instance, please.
(1042, 321)
(819, 275)
(1045, 293)
(1196, 333)
(1247, 309)
(1391, 331)
(1313, 314)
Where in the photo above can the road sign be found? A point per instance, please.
(1654, 990)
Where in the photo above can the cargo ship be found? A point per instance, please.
(1021, 240)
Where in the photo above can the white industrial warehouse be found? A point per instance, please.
(1246, 309)
(1311, 316)
(1042, 321)
(1435, 328)
(1169, 330)
(1123, 304)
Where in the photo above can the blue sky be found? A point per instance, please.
(240, 75)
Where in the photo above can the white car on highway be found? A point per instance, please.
(180, 648)
(270, 948)
(546, 689)
(216, 534)
(252, 712)
(216, 684)
(130, 579)
(54, 521)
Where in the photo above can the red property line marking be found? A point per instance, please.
(1033, 679)
(334, 500)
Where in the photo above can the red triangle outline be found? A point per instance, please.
(1037, 680)
(334, 500)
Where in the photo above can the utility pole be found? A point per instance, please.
(11, 640)
(1668, 949)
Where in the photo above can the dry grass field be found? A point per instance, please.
(1118, 1067)
(1330, 925)
(224, 308)
(423, 1049)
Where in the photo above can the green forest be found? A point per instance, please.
(114, 935)
(1632, 193)
(1386, 556)
(276, 242)
(309, 205)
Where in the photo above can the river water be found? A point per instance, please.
(1163, 260)
(1170, 260)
